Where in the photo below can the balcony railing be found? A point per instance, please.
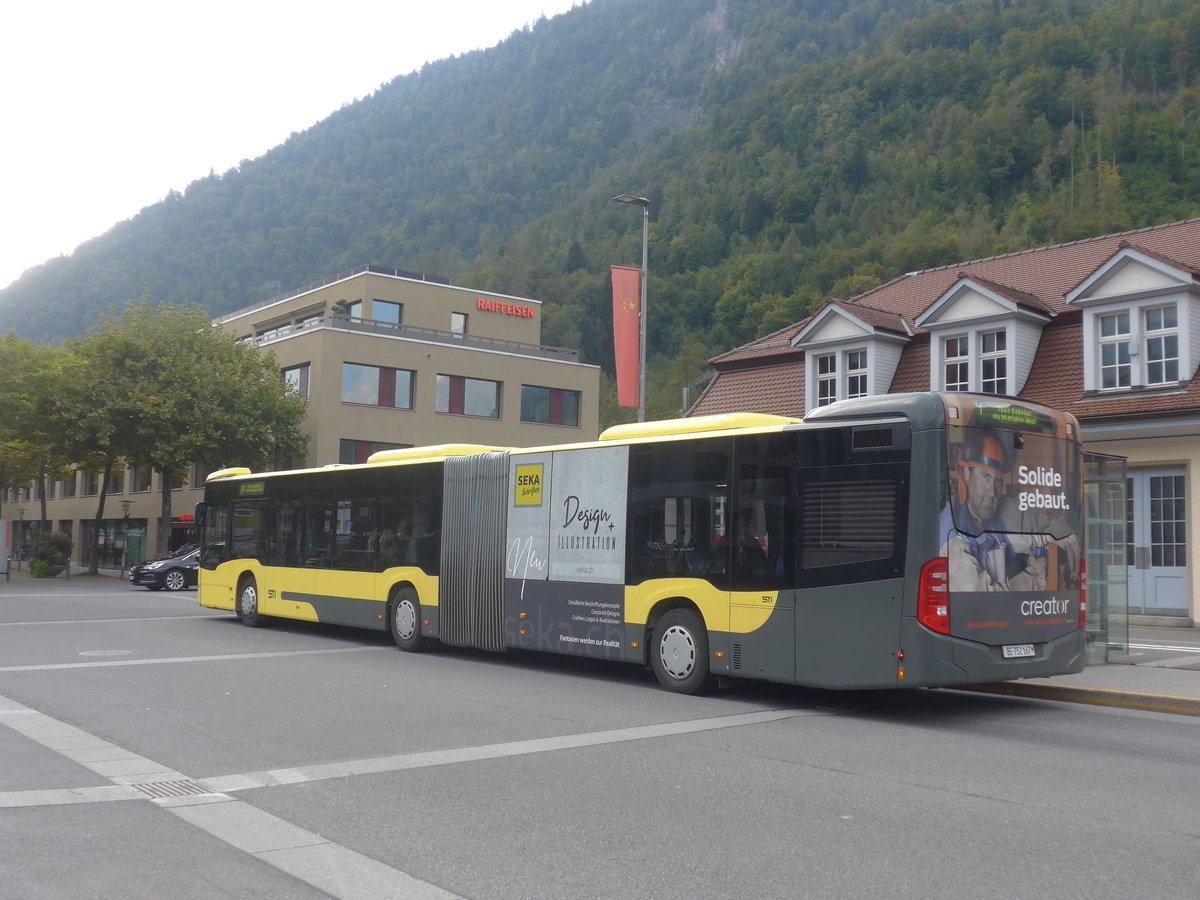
(416, 333)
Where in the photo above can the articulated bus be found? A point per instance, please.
(897, 541)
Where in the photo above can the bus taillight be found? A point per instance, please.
(1083, 593)
(933, 596)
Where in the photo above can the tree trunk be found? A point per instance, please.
(94, 554)
(42, 492)
(164, 521)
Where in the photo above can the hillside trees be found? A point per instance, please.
(792, 150)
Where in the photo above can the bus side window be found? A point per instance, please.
(677, 502)
(852, 523)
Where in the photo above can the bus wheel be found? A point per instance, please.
(679, 654)
(404, 620)
(247, 602)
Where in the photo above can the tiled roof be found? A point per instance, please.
(777, 389)
(1036, 279)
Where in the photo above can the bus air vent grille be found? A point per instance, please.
(872, 438)
(735, 657)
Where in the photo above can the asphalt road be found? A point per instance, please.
(153, 749)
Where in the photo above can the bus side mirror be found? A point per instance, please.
(202, 515)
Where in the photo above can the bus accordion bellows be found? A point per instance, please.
(897, 541)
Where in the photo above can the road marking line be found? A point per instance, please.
(112, 663)
(106, 621)
(327, 866)
(401, 762)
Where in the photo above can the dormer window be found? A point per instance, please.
(850, 351)
(989, 347)
(1137, 347)
(831, 388)
(984, 336)
(1138, 312)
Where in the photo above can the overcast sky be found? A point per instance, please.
(108, 106)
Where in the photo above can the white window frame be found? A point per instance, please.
(858, 383)
(827, 379)
(971, 354)
(1161, 335)
(993, 362)
(961, 360)
(1116, 362)
(840, 374)
(1148, 360)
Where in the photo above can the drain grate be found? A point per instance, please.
(159, 789)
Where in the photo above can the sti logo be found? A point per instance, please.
(529, 486)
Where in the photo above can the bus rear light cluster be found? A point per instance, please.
(933, 596)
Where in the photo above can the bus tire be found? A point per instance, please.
(679, 653)
(404, 620)
(247, 602)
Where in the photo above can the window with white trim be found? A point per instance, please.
(1115, 366)
(839, 375)
(1162, 345)
(826, 379)
(975, 361)
(993, 362)
(957, 368)
(856, 373)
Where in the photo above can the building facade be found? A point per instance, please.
(386, 359)
(1107, 329)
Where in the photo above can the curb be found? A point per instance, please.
(1183, 706)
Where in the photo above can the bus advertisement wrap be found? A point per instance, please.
(565, 569)
(1011, 529)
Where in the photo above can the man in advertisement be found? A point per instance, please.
(986, 534)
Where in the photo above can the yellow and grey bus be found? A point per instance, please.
(897, 541)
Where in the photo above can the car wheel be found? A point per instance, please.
(679, 653)
(174, 580)
(247, 602)
(404, 620)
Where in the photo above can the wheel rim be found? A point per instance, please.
(248, 602)
(406, 619)
(677, 652)
(174, 581)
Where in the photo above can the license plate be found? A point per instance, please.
(1017, 651)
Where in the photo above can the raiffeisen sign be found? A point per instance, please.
(509, 309)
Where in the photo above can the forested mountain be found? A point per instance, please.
(792, 150)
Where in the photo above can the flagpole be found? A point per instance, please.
(645, 275)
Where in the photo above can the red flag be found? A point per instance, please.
(627, 295)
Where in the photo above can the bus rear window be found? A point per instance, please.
(847, 522)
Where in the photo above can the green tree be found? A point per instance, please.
(165, 389)
(32, 439)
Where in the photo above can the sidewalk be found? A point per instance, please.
(1160, 672)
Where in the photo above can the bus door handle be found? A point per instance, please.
(1141, 557)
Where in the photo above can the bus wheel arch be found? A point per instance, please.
(404, 618)
(677, 644)
(247, 601)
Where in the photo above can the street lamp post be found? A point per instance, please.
(21, 530)
(645, 205)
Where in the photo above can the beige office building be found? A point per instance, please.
(386, 359)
